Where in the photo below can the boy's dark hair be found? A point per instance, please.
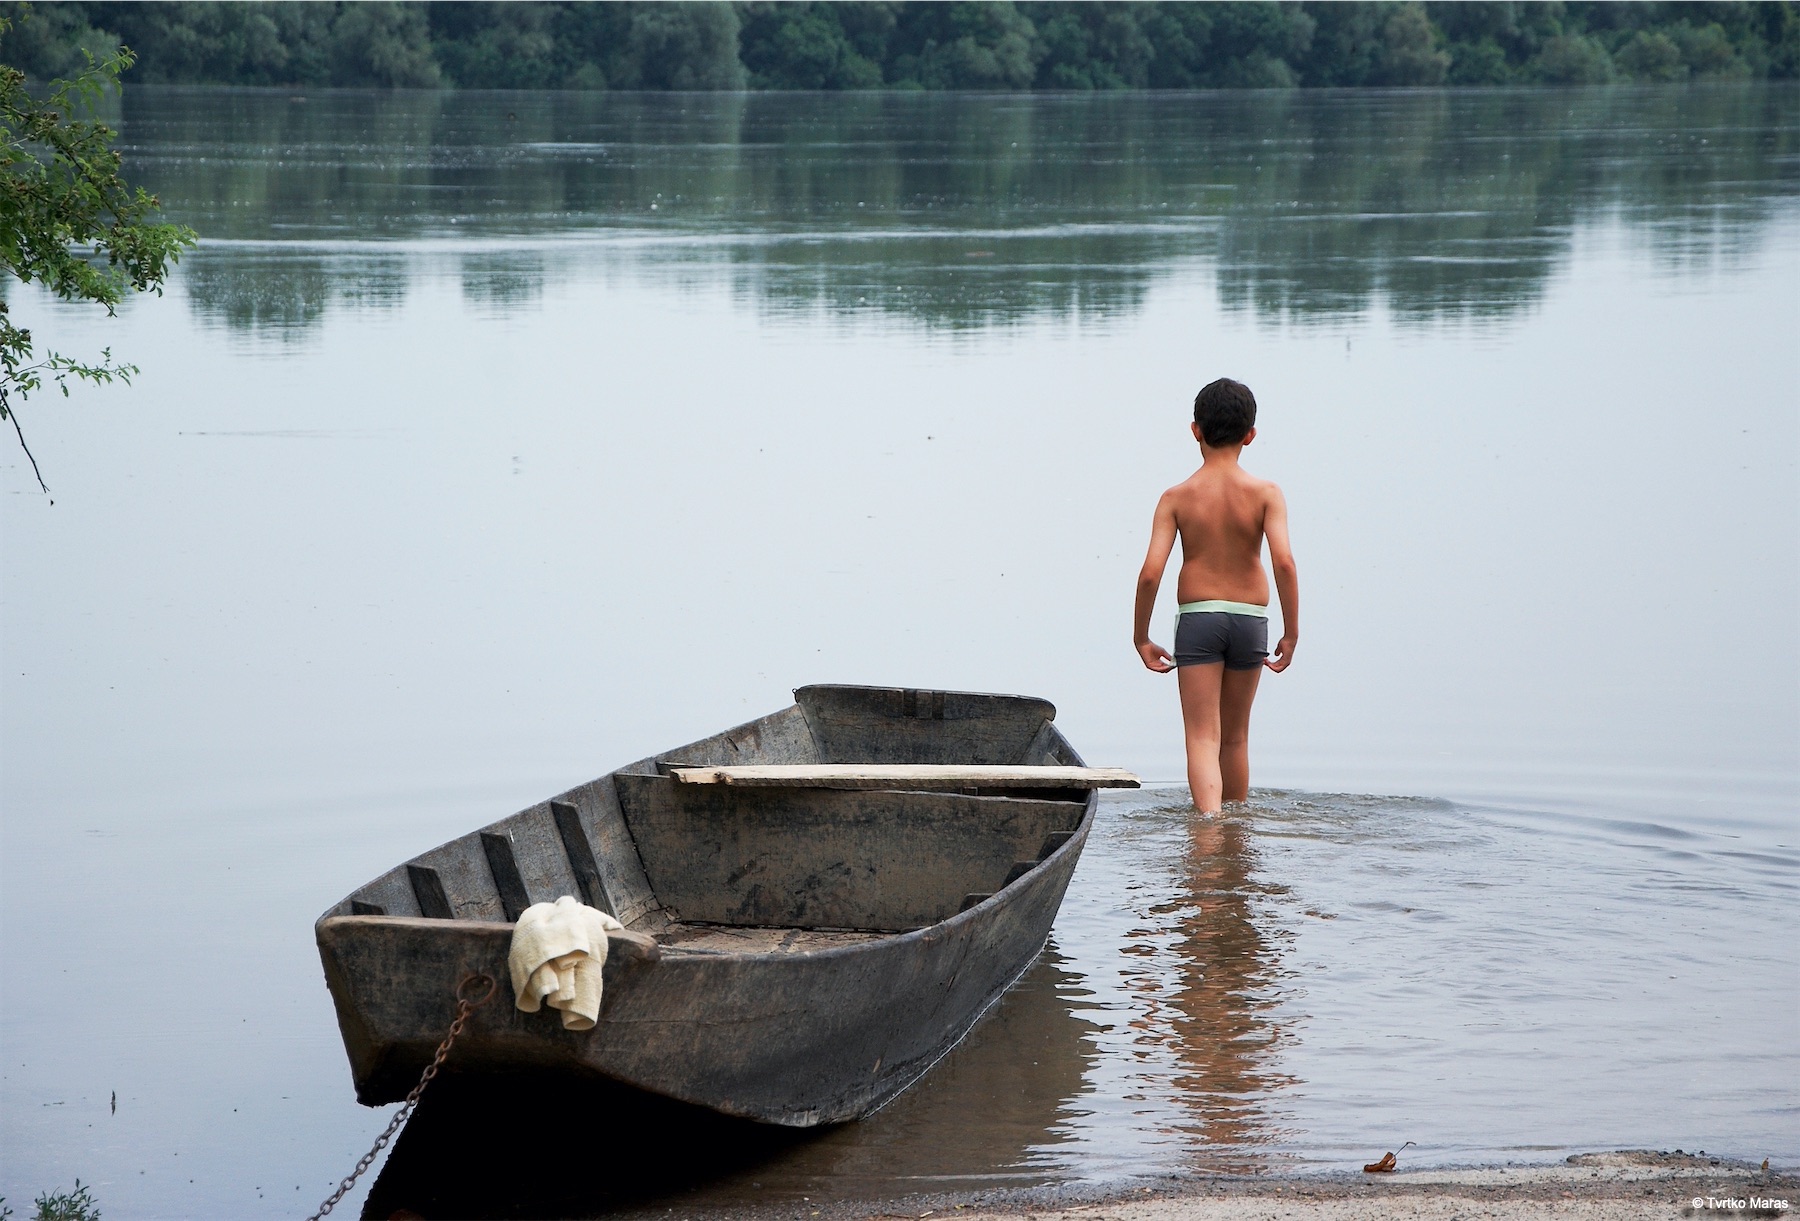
(1225, 411)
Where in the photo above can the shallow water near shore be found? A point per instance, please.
(492, 441)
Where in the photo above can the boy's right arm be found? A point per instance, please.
(1162, 542)
(1287, 579)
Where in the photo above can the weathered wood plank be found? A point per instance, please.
(505, 868)
(627, 891)
(898, 725)
(581, 855)
(815, 858)
(428, 888)
(929, 776)
(629, 944)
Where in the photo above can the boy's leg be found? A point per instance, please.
(1237, 688)
(1200, 718)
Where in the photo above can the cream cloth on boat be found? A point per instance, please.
(557, 952)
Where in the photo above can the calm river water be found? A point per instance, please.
(490, 441)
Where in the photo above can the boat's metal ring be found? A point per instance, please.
(476, 977)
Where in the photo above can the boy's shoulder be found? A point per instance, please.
(1237, 478)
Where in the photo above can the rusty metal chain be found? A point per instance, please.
(466, 1004)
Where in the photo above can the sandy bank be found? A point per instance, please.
(1591, 1187)
(1622, 1186)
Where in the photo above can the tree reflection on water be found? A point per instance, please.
(953, 212)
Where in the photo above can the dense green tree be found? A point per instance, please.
(1572, 59)
(1345, 44)
(1119, 46)
(681, 46)
(592, 38)
(912, 44)
(495, 45)
(1181, 35)
(192, 41)
(199, 42)
(1255, 45)
(1409, 53)
(806, 49)
(1386, 43)
(966, 46)
(1780, 35)
(1068, 52)
(1478, 63)
(1651, 56)
(379, 43)
(1491, 41)
(69, 221)
(51, 41)
(1708, 52)
(1121, 42)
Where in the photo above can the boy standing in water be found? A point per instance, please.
(1223, 514)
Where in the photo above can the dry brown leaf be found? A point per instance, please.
(1387, 1163)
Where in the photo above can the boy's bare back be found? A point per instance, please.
(1222, 513)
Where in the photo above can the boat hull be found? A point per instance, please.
(797, 1039)
(793, 955)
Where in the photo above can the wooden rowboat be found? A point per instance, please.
(818, 905)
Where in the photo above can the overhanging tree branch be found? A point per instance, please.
(69, 221)
(7, 411)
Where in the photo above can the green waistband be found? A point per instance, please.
(1230, 608)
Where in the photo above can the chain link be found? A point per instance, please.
(465, 1005)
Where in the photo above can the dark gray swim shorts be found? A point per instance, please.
(1206, 636)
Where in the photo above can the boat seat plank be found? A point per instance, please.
(907, 776)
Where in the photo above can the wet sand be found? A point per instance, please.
(1616, 1186)
(1594, 1187)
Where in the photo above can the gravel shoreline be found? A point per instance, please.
(1621, 1186)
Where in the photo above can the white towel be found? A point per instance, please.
(557, 952)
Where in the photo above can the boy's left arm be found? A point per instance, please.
(1162, 542)
(1287, 579)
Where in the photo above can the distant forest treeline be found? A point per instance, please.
(909, 45)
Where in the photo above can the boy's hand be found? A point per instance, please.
(1283, 655)
(1155, 657)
